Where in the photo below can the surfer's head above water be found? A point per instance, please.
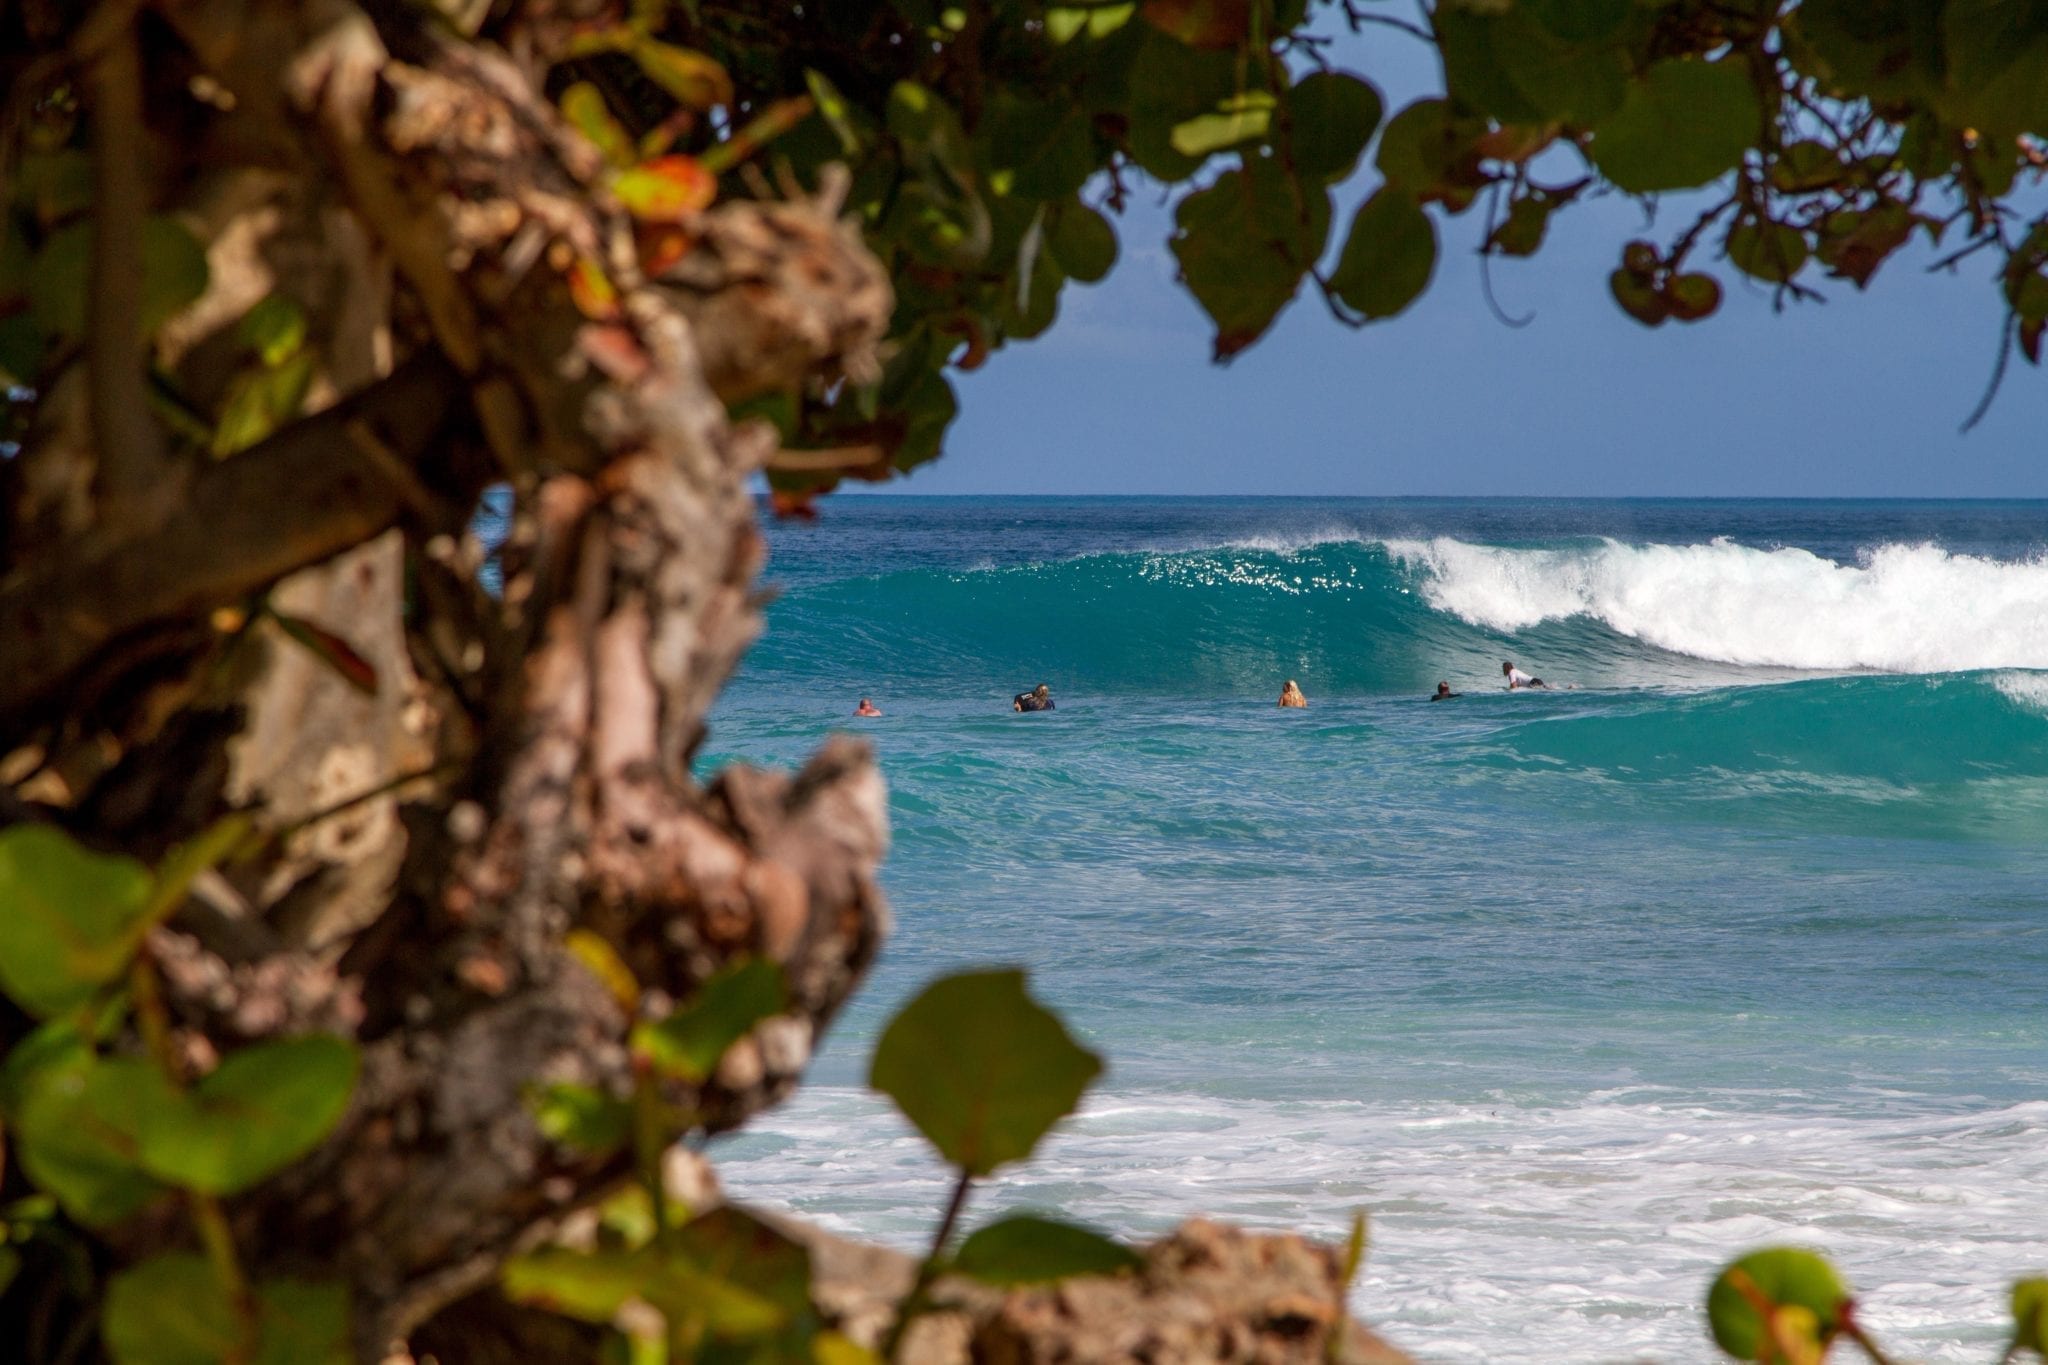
(1291, 694)
(1038, 698)
(1443, 692)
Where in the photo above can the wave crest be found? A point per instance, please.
(1902, 609)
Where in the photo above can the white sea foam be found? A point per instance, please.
(1903, 609)
(2028, 689)
(1499, 1232)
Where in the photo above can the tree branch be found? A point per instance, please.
(132, 479)
(306, 494)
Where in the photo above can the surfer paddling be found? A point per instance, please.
(1517, 679)
(1038, 698)
(1444, 693)
(866, 708)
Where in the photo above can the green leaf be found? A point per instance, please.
(1388, 257)
(67, 1142)
(300, 1322)
(1684, 124)
(170, 1310)
(1804, 167)
(274, 328)
(1521, 232)
(173, 1310)
(833, 108)
(1064, 23)
(1243, 245)
(1048, 147)
(668, 189)
(583, 105)
(1883, 49)
(2030, 1315)
(1693, 297)
(1332, 115)
(1784, 1277)
(1768, 251)
(1639, 297)
(588, 1287)
(1023, 1249)
(261, 401)
(1422, 145)
(1082, 241)
(580, 1117)
(1997, 67)
(256, 1113)
(73, 921)
(929, 408)
(738, 1249)
(689, 1043)
(174, 273)
(1169, 84)
(694, 79)
(981, 1068)
(1580, 21)
(1238, 119)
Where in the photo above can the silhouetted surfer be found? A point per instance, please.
(1038, 698)
(1444, 693)
(1517, 679)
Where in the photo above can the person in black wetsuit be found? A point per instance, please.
(1444, 693)
(1037, 699)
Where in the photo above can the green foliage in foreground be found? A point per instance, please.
(104, 1120)
(995, 142)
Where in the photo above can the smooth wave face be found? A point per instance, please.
(1393, 616)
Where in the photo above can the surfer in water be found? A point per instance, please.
(1290, 695)
(1444, 693)
(1517, 679)
(866, 708)
(1038, 698)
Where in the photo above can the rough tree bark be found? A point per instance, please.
(550, 727)
(520, 767)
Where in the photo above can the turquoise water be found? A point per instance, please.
(1739, 934)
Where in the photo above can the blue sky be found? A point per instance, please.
(1861, 396)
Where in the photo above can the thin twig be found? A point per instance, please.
(1997, 376)
(1486, 264)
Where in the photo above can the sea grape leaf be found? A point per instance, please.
(1201, 23)
(1639, 297)
(583, 105)
(301, 1322)
(170, 1310)
(261, 1109)
(981, 1068)
(274, 328)
(1388, 257)
(581, 1117)
(1082, 241)
(1579, 21)
(73, 917)
(65, 1141)
(586, 1286)
(1023, 1249)
(1048, 146)
(173, 1310)
(1171, 83)
(2030, 1315)
(689, 1043)
(1238, 119)
(1243, 245)
(1332, 115)
(1782, 1277)
(1683, 124)
(1997, 54)
(1768, 251)
(693, 78)
(262, 400)
(667, 189)
(1693, 297)
(1883, 49)
(735, 1248)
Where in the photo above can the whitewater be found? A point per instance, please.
(1736, 936)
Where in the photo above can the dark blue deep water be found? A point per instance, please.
(1737, 934)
